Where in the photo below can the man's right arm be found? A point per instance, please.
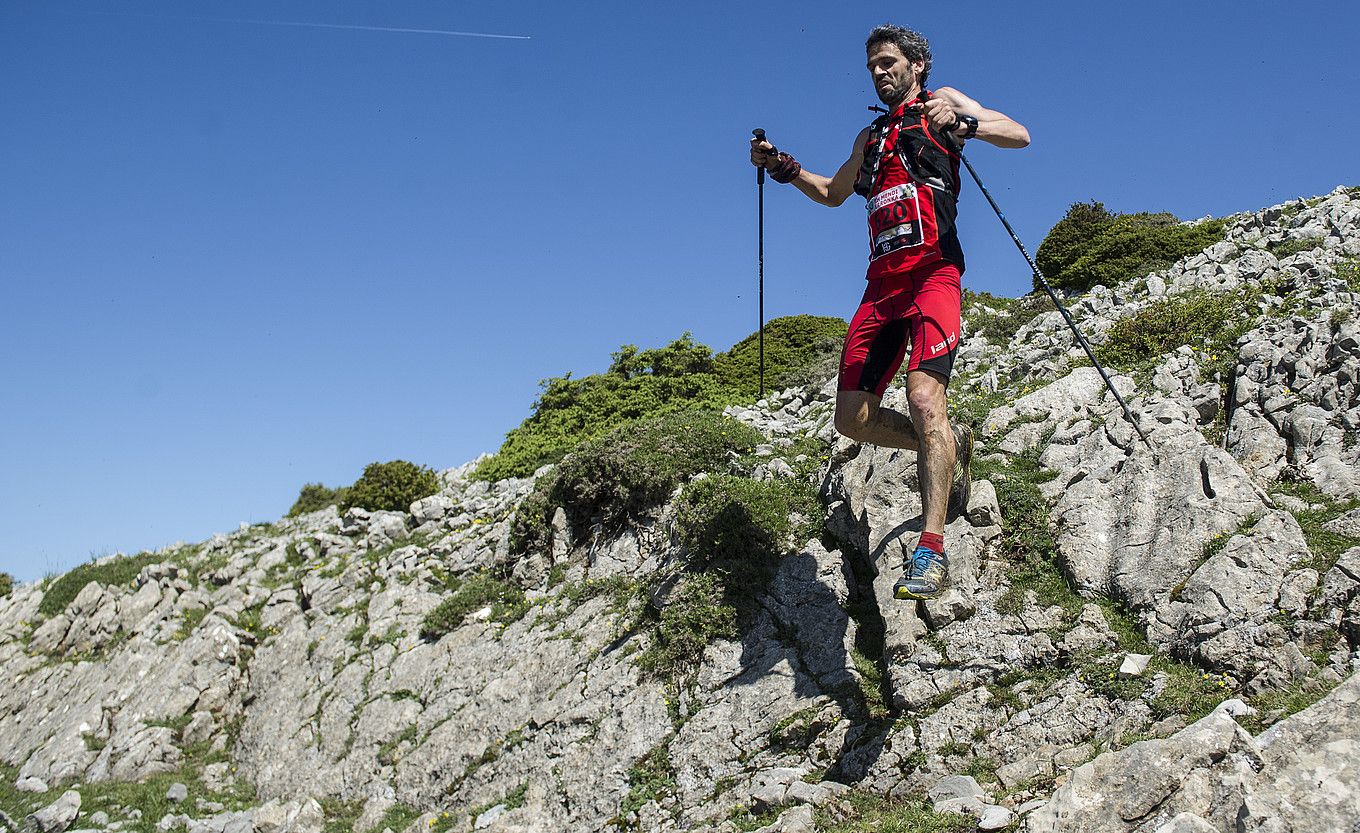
(830, 191)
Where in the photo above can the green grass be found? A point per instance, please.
(650, 779)
(694, 616)
(147, 796)
(1208, 321)
(614, 478)
(1326, 546)
(507, 603)
(1027, 537)
(1293, 246)
(121, 570)
(861, 811)
(1348, 270)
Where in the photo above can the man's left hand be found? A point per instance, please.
(940, 114)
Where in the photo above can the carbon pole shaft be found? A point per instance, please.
(760, 248)
(1067, 316)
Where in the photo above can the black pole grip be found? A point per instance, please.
(760, 169)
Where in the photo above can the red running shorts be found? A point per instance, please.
(917, 310)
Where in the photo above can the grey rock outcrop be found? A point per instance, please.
(286, 675)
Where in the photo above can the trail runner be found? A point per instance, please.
(906, 166)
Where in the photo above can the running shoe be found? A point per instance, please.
(926, 577)
(962, 486)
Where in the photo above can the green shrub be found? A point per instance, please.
(1210, 321)
(1091, 246)
(316, 496)
(391, 486)
(480, 590)
(694, 616)
(651, 778)
(1349, 271)
(1003, 317)
(121, 570)
(799, 350)
(1293, 246)
(740, 526)
(6, 584)
(1071, 238)
(644, 384)
(632, 469)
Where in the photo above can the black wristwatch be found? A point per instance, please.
(971, 122)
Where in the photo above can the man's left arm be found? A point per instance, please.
(993, 127)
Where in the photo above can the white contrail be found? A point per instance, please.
(366, 28)
(307, 25)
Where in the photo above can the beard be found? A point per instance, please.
(891, 95)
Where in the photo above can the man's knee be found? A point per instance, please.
(854, 415)
(929, 406)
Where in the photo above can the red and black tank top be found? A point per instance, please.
(910, 180)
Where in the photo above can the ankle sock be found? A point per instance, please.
(932, 541)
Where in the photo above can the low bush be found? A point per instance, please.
(1210, 321)
(740, 526)
(6, 584)
(1091, 245)
(1071, 238)
(316, 496)
(645, 384)
(996, 319)
(391, 486)
(1293, 246)
(121, 570)
(507, 603)
(631, 469)
(650, 779)
(694, 616)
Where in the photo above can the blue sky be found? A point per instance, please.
(238, 257)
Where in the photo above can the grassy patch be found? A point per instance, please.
(1208, 321)
(1274, 706)
(121, 570)
(483, 589)
(650, 779)
(1293, 246)
(859, 811)
(1348, 270)
(620, 475)
(694, 616)
(1027, 537)
(1326, 546)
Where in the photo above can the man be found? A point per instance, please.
(906, 166)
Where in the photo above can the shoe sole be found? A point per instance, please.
(905, 594)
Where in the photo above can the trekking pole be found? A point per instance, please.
(1067, 316)
(760, 248)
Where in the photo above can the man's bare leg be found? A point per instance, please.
(935, 460)
(861, 417)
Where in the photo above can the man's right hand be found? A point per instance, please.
(763, 154)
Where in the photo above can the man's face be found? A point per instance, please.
(894, 76)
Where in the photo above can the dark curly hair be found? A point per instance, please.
(913, 45)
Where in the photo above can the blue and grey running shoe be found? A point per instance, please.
(926, 577)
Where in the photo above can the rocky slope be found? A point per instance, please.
(1139, 638)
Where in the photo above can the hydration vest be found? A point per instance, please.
(910, 180)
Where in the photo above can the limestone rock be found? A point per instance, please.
(57, 816)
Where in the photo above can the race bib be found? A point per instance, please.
(894, 220)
